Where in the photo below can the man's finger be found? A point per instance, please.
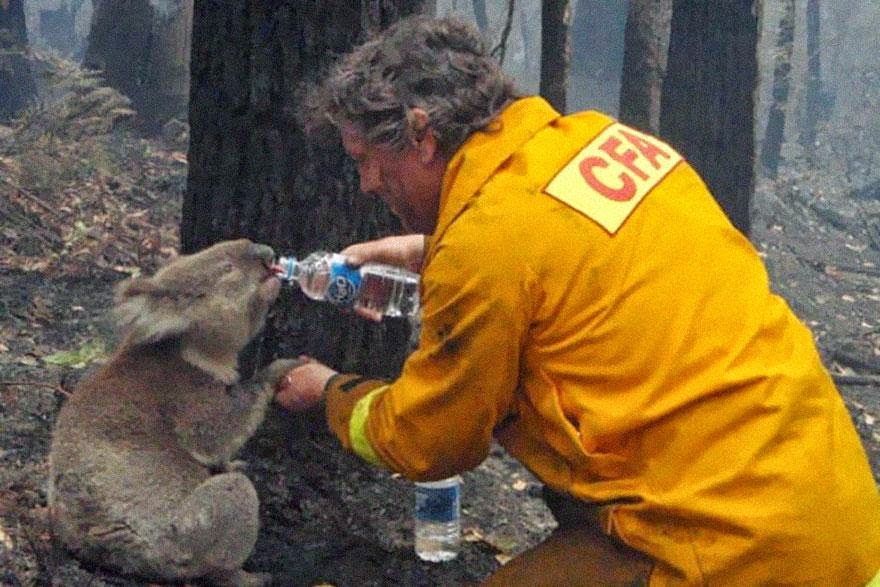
(372, 315)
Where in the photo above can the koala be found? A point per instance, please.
(141, 473)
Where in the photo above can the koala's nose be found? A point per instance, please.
(262, 252)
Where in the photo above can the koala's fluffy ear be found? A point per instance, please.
(140, 311)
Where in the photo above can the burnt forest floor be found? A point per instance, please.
(86, 202)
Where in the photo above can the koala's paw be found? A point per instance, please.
(273, 374)
(241, 578)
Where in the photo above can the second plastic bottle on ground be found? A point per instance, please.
(438, 519)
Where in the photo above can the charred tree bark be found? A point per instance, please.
(252, 173)
(707, 103)
(16, 82)
(144, 53)
(774, 135)
(555, 51)
(644, 63)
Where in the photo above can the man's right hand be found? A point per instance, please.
(402, 251)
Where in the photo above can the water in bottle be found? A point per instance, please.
(438, 519)
(388, 290)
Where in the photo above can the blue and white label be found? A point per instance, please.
(437, 505)
(344, 284)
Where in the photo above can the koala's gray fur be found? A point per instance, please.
(136, 447)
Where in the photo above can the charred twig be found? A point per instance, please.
(39, 202)
(24, 524)
(16, 216)
(53, 386)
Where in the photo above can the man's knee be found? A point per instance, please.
(576, 556)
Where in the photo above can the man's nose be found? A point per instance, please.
(369, 183)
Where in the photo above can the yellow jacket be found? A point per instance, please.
(619, 338)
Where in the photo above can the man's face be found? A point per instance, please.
(408, 181)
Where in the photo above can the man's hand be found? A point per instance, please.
(303, 386)
(402, 251)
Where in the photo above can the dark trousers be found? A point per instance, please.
(576, 553)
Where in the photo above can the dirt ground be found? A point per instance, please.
(326, 517)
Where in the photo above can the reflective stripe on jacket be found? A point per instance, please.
(641, 363)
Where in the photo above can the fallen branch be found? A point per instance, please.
(38, 202)
(870, 271)
(842, 379)
(856, 362)
(53, 386)
(17, 217)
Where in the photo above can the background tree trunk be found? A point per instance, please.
(144, 53)
(58, 28)
(525, 32)
(774, 136)
(597, 45)
(252, 174)
(707, 103)
(16, 83)
(555, 51)
(481, 16)
(644, 63)
(813, 100)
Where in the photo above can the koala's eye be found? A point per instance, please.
(227, 267)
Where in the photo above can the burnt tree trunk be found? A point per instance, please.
(774, 135)
(555, 51)
(707, 103)
(252, 173)
(143, 51)
(16, 82)
(644, 63)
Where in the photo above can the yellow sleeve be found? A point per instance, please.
(438, 418)
(343, 396)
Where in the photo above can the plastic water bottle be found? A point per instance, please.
(388, 290)
(438, 519)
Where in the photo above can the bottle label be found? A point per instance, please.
(437, 505)
(344, 284)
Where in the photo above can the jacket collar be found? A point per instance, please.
(483, 153)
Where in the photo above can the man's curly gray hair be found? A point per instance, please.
(438, 65)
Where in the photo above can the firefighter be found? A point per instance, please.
(587, 304)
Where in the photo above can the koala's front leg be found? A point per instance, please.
(214, 425)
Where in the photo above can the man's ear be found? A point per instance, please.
(423, 138)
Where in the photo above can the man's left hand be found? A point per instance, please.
(303, 386)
